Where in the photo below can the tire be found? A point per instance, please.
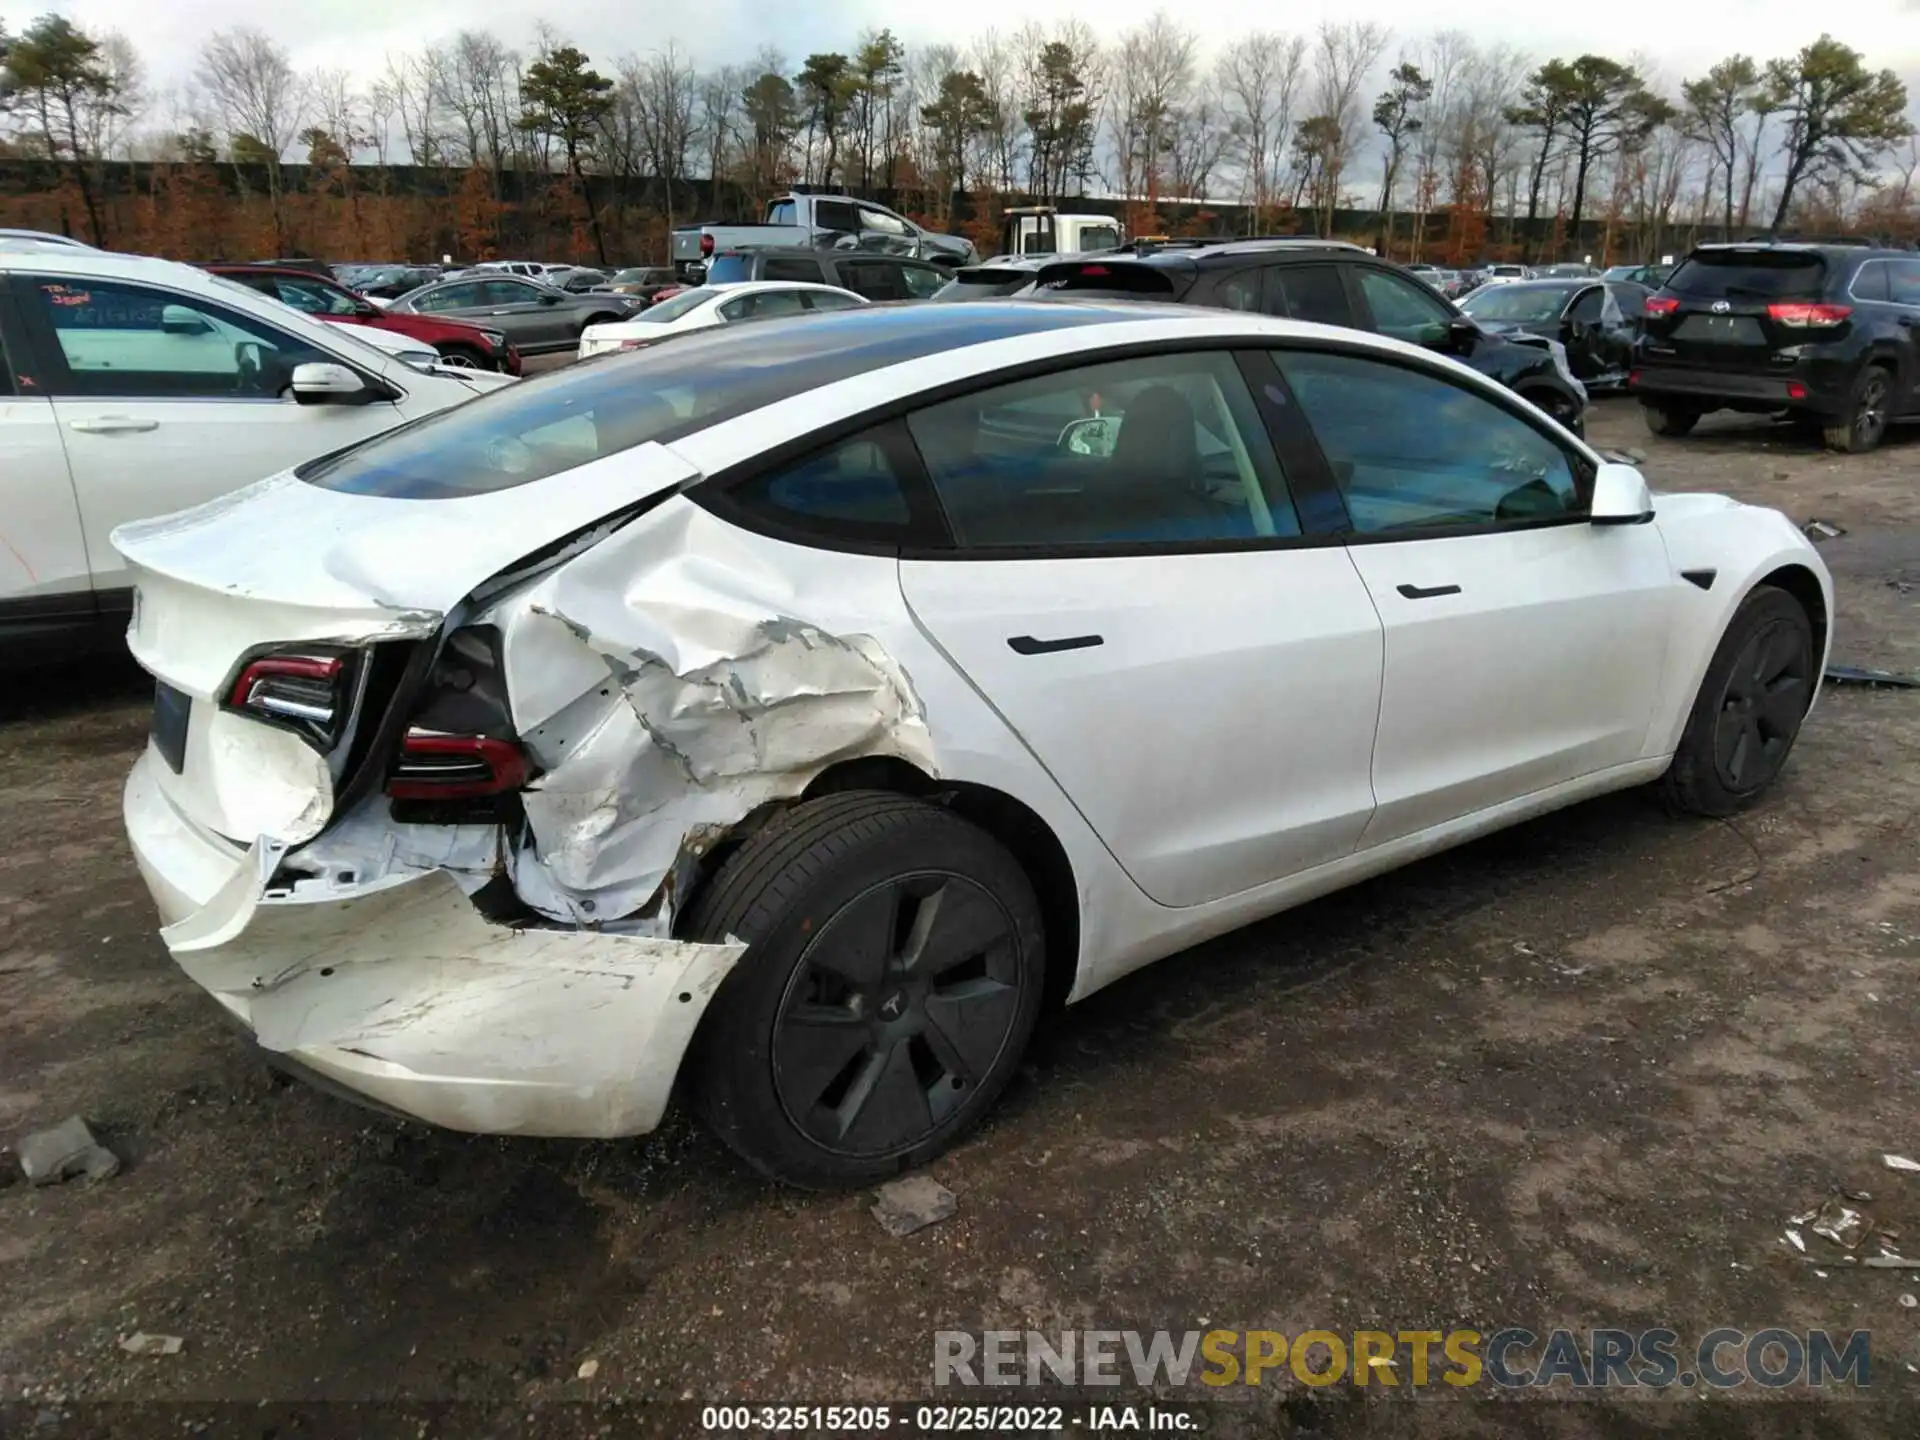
(1670, 420)
(810, 1057)
(1748, 712)
(464, 357)
(1869, 405)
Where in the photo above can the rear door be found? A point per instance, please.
(43, 551)
(165, 400)
(1731, 310)
(1132, 588)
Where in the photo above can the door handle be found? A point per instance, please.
(1416, 592)
(114, 425)
(1027, 645)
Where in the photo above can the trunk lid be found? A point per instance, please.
(288, 567)
(1739, 308)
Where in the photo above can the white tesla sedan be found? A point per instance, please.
(709, 305)
(796, 709)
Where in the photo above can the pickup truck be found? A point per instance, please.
(821, 222)
(1043, 230)
(872, 277)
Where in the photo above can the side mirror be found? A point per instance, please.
(320, 383)
(1620, 496)
(1095, 435)
(179, 320)
(1461, 334)
(551, 297)
(365, 307)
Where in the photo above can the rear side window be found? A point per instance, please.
(1750, 275)
(1307, 292)
(1870, 281)
(780, 212)
(836, 215)
(781, 268)
(1903, 282)
(851, 490)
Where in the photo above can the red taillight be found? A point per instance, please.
(706, 245)
(1796, 391)
(456, 767)
(299, 691)
(1662, 305)
(1093, 270)
(1808, 313)
(1633, 378)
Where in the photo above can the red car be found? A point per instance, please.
(458, 341)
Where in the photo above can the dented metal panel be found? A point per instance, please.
(667, 691)
(404, 991)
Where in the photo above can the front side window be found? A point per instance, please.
(125, 340)
(1404, 309)
(1307, 292)
(508, 292)
(1417, 455)
(881, 223)
(1589, 307)
(449, 297)
(839, 216)
(314, 297)
(1165, 449)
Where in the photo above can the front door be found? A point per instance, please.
(43, 553)
(164, 400)
(1524, 646)
(1132, 590)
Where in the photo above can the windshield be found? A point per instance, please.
(676, 306)
(1525, 304)
(1749, 274)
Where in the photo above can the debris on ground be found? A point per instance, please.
(1818, 530)
(913, 1204)
(1900, 1162)
(1855, 675)
(1850, 1232)
(1837, 1221)
(1909, 1301)
(141, 1343)
(588, 1369)
(49, 1156)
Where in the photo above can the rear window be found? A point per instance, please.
(984, 283)
(1107, 278)
(1749, 275)
(729, 269)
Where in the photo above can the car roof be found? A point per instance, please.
(734, 287)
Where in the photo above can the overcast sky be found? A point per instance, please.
(1683, 39)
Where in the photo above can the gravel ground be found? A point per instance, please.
(1579, 1074)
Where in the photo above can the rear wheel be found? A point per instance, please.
(1670, 420)
(1868, 408)
(1748, 712)
(892, 979)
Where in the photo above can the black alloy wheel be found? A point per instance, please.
(899, 1007)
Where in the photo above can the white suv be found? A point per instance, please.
(131, 388)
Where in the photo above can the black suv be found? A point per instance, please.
(1333, 283)
(877, 277)
(1823, 332)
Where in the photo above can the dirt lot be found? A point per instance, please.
(1579, 1074)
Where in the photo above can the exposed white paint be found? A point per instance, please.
(405, 992)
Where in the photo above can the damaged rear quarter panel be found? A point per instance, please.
(680, 675)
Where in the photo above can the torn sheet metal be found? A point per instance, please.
(406, 994)
(666, 693)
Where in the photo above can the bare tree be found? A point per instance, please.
(1344, 55)
(994, 60)
(1152, 86)
(261, 101)
(1259, 77)
(666, 92)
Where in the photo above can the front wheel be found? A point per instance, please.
(1748, 712)
(892, 978)
(1669, 420)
